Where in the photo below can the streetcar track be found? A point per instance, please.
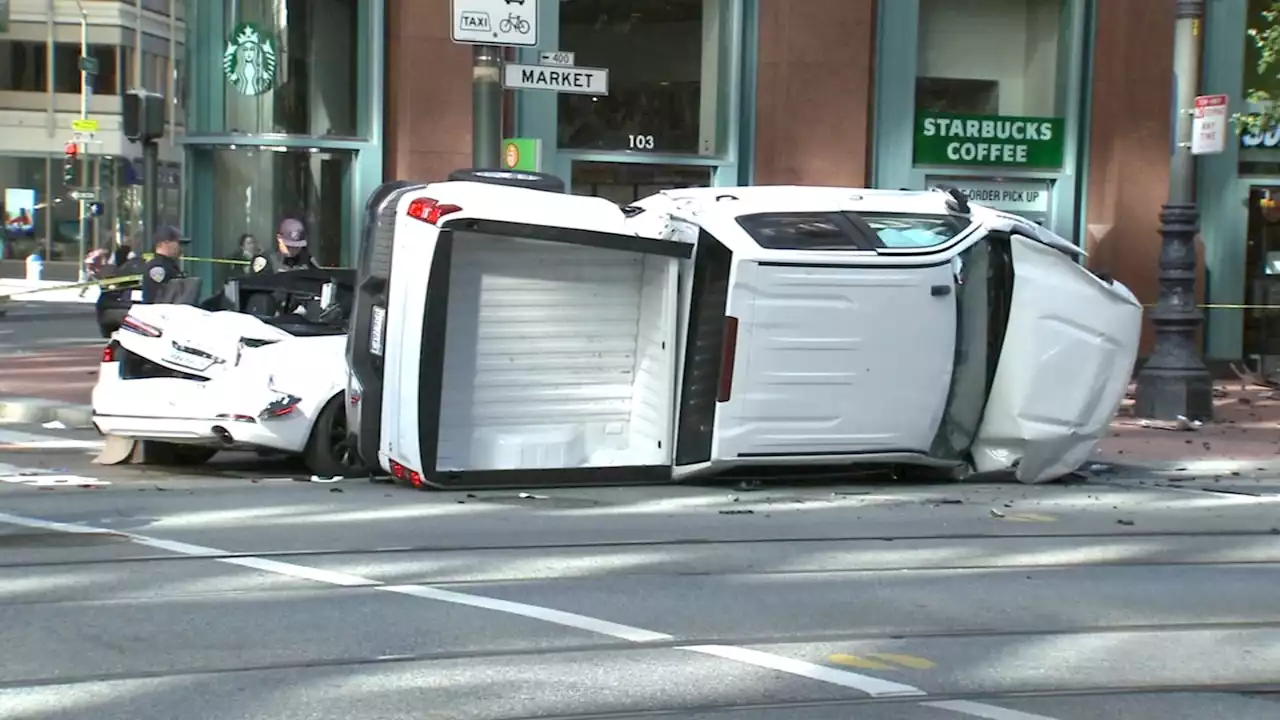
(932, 699)
(620, 646)
(622, 544)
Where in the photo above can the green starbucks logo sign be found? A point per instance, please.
(249, 61)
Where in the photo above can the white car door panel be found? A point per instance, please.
(1068, 355)
(838, 360)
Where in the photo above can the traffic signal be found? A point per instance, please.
(69, 164)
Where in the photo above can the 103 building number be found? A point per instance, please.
(641, 142)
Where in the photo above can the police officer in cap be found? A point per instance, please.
(292, 252)
(163, 268)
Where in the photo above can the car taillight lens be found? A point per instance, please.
(400, 472)
(727, 356)
(109, 353)
(135, 325)
(430, 211)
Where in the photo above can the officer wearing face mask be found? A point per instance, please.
(292, 252)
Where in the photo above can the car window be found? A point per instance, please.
(801, 231)
(912, 231)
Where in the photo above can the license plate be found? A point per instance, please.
(187, 361)
(377, 323)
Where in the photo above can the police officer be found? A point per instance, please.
(163, 268)
(292, 252)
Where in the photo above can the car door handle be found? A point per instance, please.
(940, 290)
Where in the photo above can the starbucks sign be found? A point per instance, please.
(249, 60)
(988, 140)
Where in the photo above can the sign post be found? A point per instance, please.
(490, 25)
(1209, 126)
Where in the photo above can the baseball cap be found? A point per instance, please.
(167, 233)
(293, 233)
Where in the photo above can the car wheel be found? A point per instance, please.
(331, 451)
(175, 454)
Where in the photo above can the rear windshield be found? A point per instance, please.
(849, 231)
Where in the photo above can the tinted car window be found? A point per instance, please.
(801, 231)
(913, 231)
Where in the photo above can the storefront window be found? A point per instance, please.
(663, 62)
(24, 67)
(24, 205)
(987, 85)
(290, 67)
(254, 189)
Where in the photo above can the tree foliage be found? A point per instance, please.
(1264, 106)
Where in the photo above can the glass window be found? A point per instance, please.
(24, 205)
(625, 183)
(254, 189)
(294, 72)
(990, 57)
(800, 231)
(23, 66)
(663, 61)
(913, 231)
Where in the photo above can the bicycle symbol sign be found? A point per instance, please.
(511, 23)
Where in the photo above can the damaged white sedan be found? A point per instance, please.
(191, 381)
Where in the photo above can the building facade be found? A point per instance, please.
(138, 43)
(300, 108)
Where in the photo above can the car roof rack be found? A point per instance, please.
(957, 201)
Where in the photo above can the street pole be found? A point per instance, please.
(486, 107)
(84, 115)
(1174, 380)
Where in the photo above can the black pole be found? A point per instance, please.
(150, 189)
(1174, 380)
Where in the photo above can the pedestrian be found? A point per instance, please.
(292, 251)
(163, 268)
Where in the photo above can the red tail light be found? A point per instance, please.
(728, 353)
(430, 211)
(133, 324)
(401, 472)
(109, 353)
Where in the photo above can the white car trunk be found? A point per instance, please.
(192, 340)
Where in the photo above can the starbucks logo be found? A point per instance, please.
(249, 61)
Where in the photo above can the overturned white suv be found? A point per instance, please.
(508, 334)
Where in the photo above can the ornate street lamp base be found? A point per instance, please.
(1174, 381)
(1166, 394)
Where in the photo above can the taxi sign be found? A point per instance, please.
(84, 125)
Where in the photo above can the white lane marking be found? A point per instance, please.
(983, 710)
(856, 681)
(873, 686)
(558, 617)
(53, 480)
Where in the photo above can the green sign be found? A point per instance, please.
(1028, 142)
(522, 154)
(249, 60)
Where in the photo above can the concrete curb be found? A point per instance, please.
(40, 410)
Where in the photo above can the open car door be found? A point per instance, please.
(1068, 354)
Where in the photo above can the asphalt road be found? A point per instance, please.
(244, 593)
(34, 326)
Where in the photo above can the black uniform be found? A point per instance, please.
(287, 263)
(158, 273)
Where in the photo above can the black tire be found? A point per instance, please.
(510, 178)
(330, 450)
(178, 455)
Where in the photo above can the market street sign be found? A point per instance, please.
(1021, 197)
(988, 140)
(1209, 128)
(510, 23)
(577, 80)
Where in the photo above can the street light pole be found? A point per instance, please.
(84, 115)
(1174, 380)
(486, 106)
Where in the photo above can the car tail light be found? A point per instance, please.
(135, 325)
(237, 418)
(728, 354)
(353, 398)
(109, 352)
(281, 407)
(430, 211)
(400, 472)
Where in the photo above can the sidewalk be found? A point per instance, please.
(1245, 432)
